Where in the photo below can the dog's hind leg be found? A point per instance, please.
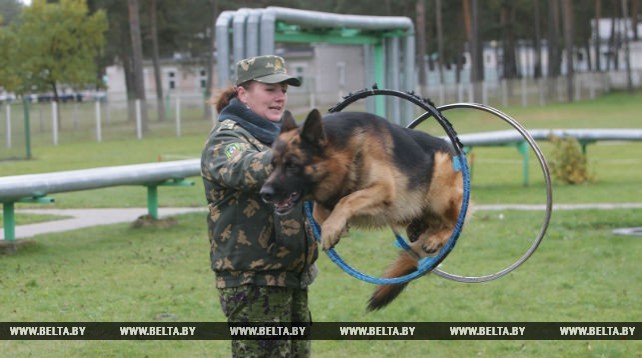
(444, 199)
(432, 241)
(415, 229)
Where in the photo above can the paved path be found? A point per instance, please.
(81, 218)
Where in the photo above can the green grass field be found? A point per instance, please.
(580, 272)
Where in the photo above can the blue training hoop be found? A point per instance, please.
(459, 163)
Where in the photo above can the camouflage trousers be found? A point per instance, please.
(249, 303)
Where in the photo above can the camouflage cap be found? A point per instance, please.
(266, 69)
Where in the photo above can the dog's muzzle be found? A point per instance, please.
(283, 206)
(267, 194)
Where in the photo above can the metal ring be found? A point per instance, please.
(429, 263)
(547, 178)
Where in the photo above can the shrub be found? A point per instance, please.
(568, 163)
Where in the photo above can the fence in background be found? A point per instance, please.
(189, 113)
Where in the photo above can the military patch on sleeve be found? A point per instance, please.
(233, 150)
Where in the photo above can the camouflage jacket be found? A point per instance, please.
(250, 244)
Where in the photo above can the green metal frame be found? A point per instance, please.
(9, 214)
(152, 193)
(294, 33)
(524, 150)
(522, 147)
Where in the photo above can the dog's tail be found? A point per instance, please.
(384, 294)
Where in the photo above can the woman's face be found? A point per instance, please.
(266, 100)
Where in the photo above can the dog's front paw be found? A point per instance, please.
(330, 235)
(328, 242)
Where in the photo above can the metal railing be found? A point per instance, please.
(35, 188)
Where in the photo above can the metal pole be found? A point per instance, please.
(54, 121)
(379, 54)
(524, 94)
(27, 128)
(394, 111)
(8, 125)
(524, 149)
(238, 34)
(222, 46)
(99, 135)
(139, 128)
(409, 76)
(369, 71)
(8, 220)
(178, 116)
(152, 201)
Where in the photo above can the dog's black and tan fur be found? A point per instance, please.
(361, 169)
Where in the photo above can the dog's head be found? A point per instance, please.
(295, 157)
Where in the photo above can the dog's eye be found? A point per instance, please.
(290, 165)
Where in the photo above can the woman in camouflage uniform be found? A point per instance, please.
(263, 262)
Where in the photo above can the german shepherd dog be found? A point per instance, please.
(362, 170)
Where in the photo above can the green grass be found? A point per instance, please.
(581, 272)
(25, 219)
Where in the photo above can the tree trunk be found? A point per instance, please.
(508, 43)
(463, 40)
(207, 107)
(568, 44)
(420, 8)
(635, 9)
(155, 59)
(598, 40)
(467, 19)
(552, 37)
(537, 39)
(137, 55)
(627, 52)
(440, 40)
(611, 44)
(477, 60)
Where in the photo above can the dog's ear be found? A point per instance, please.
(287, 122)
(313, 131)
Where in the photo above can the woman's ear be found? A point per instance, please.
(242, 94)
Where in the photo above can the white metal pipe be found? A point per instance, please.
(267, 27)
(409, 81)
(252, 35)
(326, 19)
(36, 185)
(238, 35)
(222, 47)
(394, 81)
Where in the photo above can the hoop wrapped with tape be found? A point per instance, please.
(459, 163)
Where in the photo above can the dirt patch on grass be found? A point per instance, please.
(148, 221)
(10, 247)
